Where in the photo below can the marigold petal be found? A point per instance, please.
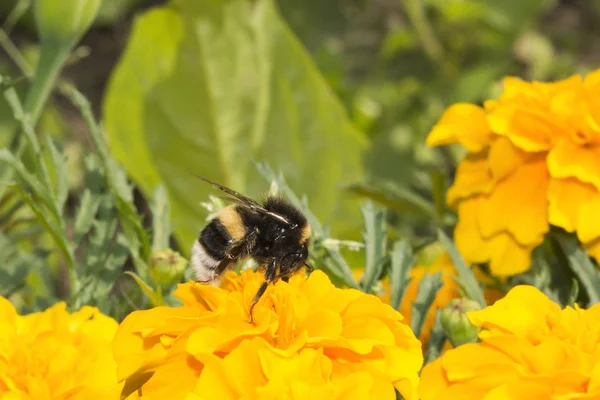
(504, 158)
(520, 391)
(588, 228)
(463, 123)
(322, 324)
(518, 204)
(175, 378)
(564, 199)
(467, 235)
(507, 256)
(568, 159)
(509, 315)
(472, 177)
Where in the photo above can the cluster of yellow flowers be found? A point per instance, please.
(309, 340)
(56, 355)
(534, 160)
(530, 350)
(307, 337)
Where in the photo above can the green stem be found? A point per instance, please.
(416, 14)
(14, 53)
(52, 58)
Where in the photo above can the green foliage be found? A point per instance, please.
(429, 286)
(466, 277)
(582, 266)
(402, 261)
(105, 230)
(205, 88)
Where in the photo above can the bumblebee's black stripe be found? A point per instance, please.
(214, 238)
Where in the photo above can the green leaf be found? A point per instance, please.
(428, 289)
(581, 265)
(16, 265)
(88, 207)
(155, 297)
(206, 87)
(436, 340)
(402, 260)
(161, 219)
(513, 16)
(573, 293)
(31, 181)
(375, 236)
(465, 278)
(59, 164)
(116, 179)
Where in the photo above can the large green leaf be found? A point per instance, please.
(205, 87)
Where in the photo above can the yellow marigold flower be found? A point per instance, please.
(339, 341)
(530, 349)
(56, 355)
(534, 160)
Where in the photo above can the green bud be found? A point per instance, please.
(64, 20)
(455, 322)
(167, 267)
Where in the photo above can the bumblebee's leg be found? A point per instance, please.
(309, 269)
(243, 246)
(269, 277)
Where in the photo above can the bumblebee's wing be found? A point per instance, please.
(242, 200)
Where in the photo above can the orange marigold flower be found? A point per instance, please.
(57, 355)
(534, 160)
(450, 290)
(530, 349)
(338, 341)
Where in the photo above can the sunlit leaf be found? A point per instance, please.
(206, 87)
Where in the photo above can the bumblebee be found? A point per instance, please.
(275, 234)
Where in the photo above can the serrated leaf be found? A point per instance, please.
(59, 164)
(402, 260)
(436, 340)
(429, 286)
(581, 265)
(180, 101)
(116, 179)
(16, 265)
(88, 207)
(375, 237)
(161, 219)
(31, 181)
(466, 279)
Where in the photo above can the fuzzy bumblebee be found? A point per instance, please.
(275, 234)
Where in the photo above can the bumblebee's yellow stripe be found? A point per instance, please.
(232, 221)
(305, 234)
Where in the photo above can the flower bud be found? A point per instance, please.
(64, 20)
(455, 322)
(167, 267)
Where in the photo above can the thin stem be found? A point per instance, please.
(16, 14)
(13, 52)
(52, 58)
(416, 14)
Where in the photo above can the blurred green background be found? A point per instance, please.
(338, 96)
